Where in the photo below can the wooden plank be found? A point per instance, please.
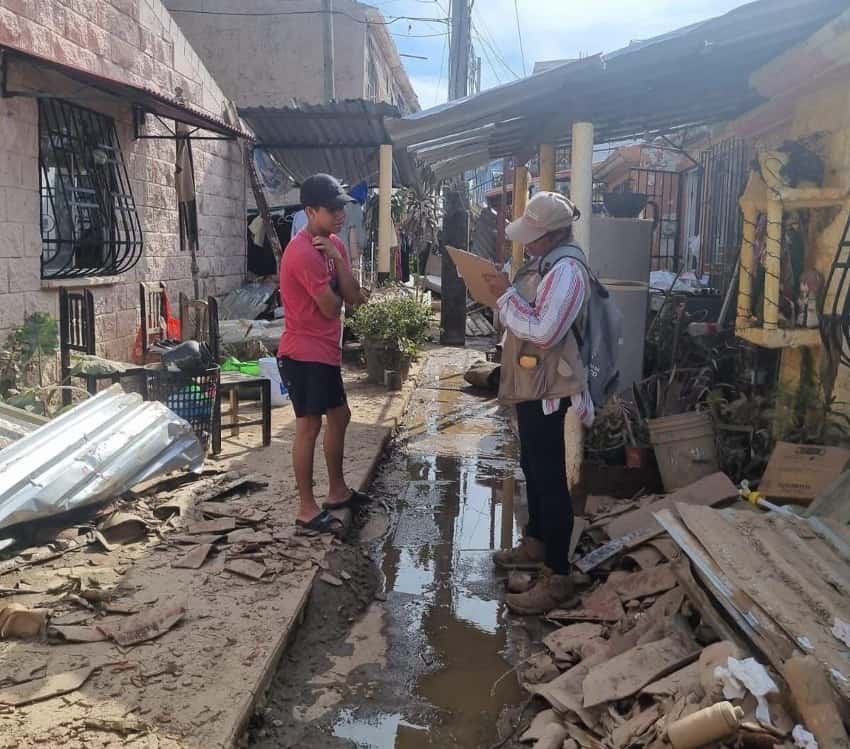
(800, 592)
(603, 553)
(750, 619)
(702, 602)
(631, 585)
(262, 203)
(626, 674)
(711, 490)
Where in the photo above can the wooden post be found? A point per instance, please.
(547, 167)
(385, 219)
(453, 296)
(753, 200)
(520, 201)
(262, 204)
(745, 273)
(773, 248)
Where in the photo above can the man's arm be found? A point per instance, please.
(349, 289)
(328, 302)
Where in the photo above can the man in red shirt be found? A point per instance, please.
(315, 283)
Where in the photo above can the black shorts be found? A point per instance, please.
(314, 388)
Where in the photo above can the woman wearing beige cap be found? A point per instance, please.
(543, 376)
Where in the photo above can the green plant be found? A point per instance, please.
(396, 321)
(618, 424)
(421, 220)
(35, 340)
(22, 362)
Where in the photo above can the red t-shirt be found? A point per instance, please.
(309, 336)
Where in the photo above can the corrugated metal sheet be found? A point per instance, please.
(16, 423)
(93, 453)
(695, 75)
(341, 138)
(145, 97)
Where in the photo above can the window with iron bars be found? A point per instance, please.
(89, 222)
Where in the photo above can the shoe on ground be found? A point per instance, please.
(549, 592)
(520, 582)
(528, 555)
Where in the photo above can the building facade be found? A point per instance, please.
(93, 92)
(274, 54)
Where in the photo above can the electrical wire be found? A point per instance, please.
(487, 59)
(487, 37)
(420, 36)
(264, 14)
(442, 68)
(519, 34)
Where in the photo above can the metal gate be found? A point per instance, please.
(725, 168)
(663, 192)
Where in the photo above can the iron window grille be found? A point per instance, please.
(89, 222)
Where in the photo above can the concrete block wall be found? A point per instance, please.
(137, 42)
(271, 60)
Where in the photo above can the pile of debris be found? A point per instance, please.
(699, 626)
(91, 589)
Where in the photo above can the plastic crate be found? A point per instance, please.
(191, 395)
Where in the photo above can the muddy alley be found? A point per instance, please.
(415, 648)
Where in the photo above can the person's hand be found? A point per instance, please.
(327, 248)
(498, 282)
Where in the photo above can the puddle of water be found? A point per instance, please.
(457, 509)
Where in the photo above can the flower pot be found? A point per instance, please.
(380, 357)
(610, 456)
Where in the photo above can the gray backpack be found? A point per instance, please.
(602, 338)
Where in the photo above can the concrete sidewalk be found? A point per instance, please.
(197, 684)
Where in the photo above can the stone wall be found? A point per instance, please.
(134, 41)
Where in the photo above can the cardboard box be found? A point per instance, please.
(800, 473)
(475, 270)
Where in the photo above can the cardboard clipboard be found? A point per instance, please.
(474, 270)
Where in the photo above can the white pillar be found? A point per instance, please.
(385, 219)
(581, 181)
(581, 193)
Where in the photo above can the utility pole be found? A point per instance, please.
(460, 48)
(456, 215)
(328, 44)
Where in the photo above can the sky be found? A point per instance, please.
(550, 29)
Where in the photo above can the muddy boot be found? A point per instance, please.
(550, 592)
(520, 582)
(529, 554)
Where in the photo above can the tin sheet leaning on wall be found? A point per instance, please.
(93, 453)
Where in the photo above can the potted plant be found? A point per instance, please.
(391, 330)
(618, 436)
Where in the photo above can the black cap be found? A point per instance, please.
(323, 191)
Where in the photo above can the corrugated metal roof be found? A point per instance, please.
(693, 76)
(149, 100)
(341, 138)
(16, 423)
(93, 453)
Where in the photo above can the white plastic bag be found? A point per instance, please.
(269, 370)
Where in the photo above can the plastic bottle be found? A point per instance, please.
(705, 726)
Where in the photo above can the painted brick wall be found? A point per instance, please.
(135, 41)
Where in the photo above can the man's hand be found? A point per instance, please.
(327, 248)
(498, 282)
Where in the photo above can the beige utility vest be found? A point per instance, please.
(531, 373)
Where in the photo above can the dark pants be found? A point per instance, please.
(543, 460)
